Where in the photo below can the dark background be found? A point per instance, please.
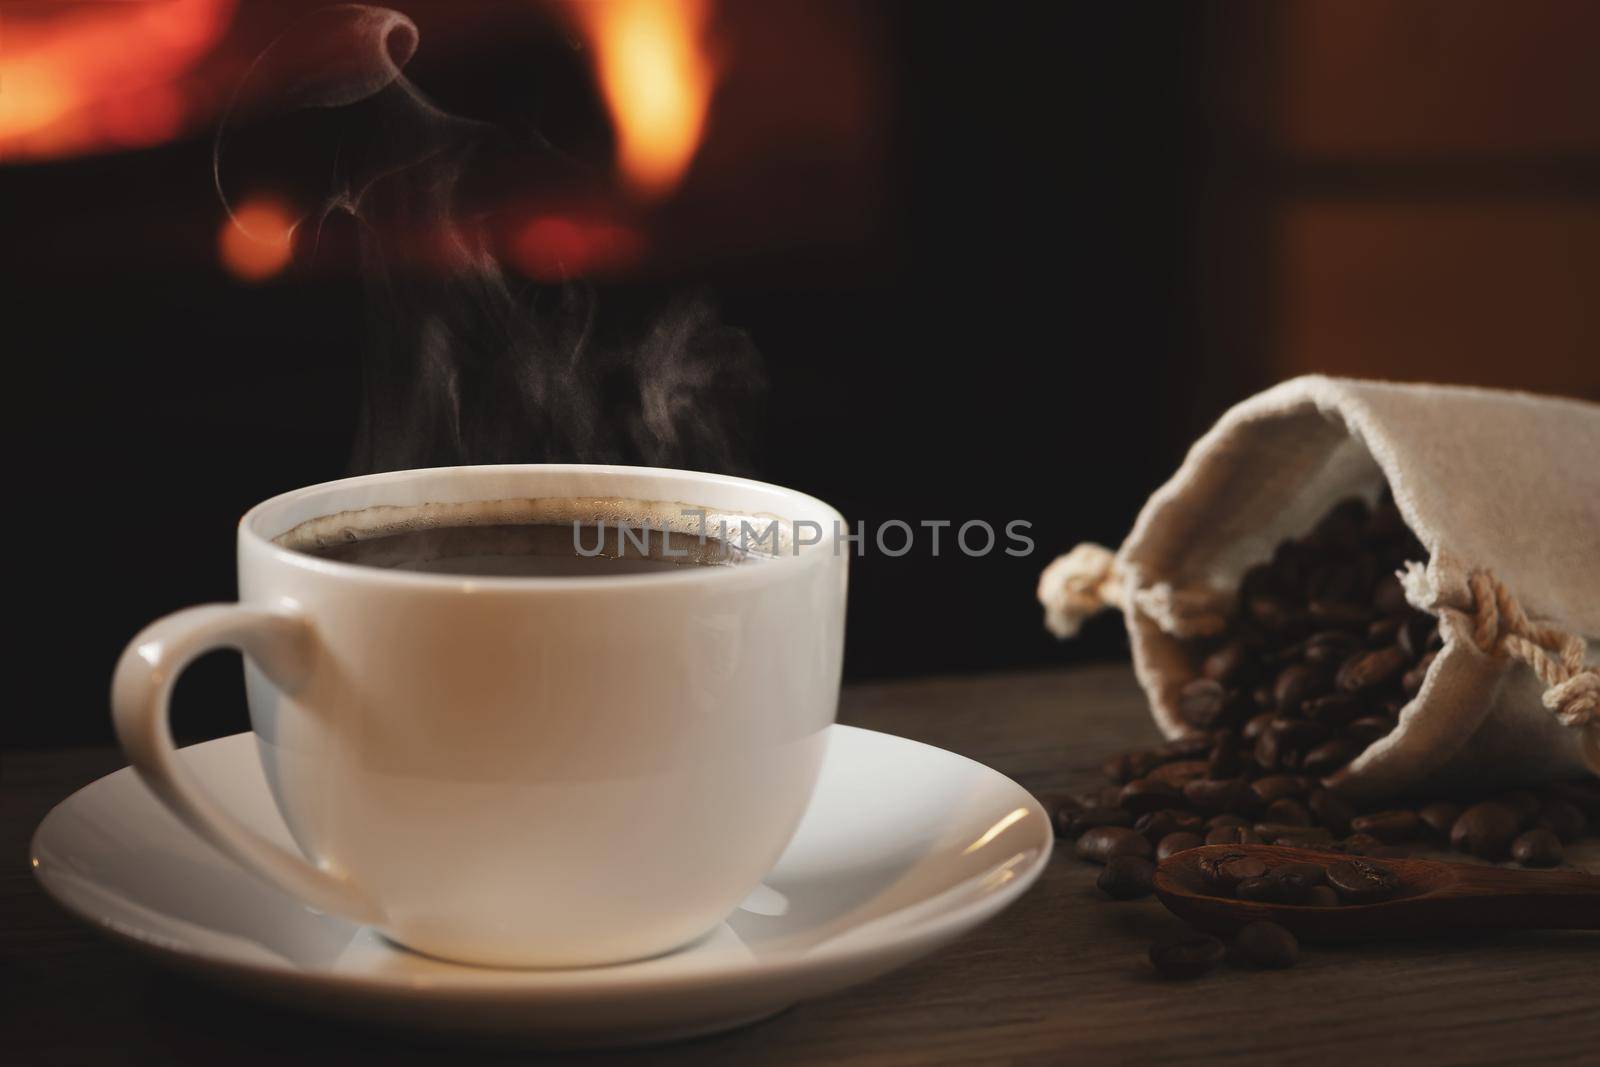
(1002, 262)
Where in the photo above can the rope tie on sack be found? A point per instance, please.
(1502, 628)
(1089, 579)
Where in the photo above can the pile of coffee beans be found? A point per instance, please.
(1321, 652)
(1319, 657)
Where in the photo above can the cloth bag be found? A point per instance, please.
(1503, 490)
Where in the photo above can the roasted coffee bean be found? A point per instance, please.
(1187, 746)
(1360, 845)
(1256, 726)
(1127, 878)
(1201, 702)
(1564, 819)
(1273, 833)
(1369, 670)
(1155, 825)
(1359, 881)
(1486, 830)
(1261, 698)
(1294, 685)
(1147, 794)
(1524, 804)
(1538, 847)
(1273, 614)
(1411, 681)
(1208, 795)
(1287, 811)
(1224, 761)
(1382, 632)
(1264, 944)
(1178, 772)
(1229, 665)
(1224, 870)
(1313, 874)
(1391, 827)
(1438, 818)
(1262, 890)
(1182, 841)
(1278, 787)
(1327, 649)
(1076, 823)
(1331, 810)
(1368, 728)
(1102, 844)
(1338, 613)
(1322, 896)
(1119, 768)
(1232, 835)
(1270, 751)
(1389, 596)
(1227, 818)
(1186, 956)
(1329, 756)
(1334, 709)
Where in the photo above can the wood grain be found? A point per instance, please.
(1060, 977)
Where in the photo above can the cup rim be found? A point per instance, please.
(252, 537)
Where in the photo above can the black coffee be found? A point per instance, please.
(531, 550)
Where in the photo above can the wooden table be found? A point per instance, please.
(1060, 977)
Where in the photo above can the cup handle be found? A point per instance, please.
(279, 641)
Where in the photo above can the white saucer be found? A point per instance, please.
(904, 848)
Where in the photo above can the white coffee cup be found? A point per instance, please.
(540, 771)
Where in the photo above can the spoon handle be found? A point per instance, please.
(1520, 899)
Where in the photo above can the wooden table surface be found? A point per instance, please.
(1060, 977)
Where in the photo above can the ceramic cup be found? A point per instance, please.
(516, 771)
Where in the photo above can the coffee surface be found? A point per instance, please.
(542, 550)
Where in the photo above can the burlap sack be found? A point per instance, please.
(1503, 489)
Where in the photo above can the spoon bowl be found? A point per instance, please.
(1433, 896)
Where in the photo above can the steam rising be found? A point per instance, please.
(465, 364)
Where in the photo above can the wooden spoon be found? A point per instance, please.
(1433, 896)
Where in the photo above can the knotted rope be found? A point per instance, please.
(1501, 628)
(1089, 579)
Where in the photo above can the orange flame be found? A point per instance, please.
(257, 241)
(653, 60)
(78, 78)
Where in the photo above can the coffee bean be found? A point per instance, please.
(1538, 847)
(1382, 632)
(1119, 768)
(1334, 709)
(1262, 890)
(1294, 685)
(1359, 881)
(1205, 794)
(1438, 818)
(1077, 823)
(1158, 824)
(1368, 670)
(1127, 877)
(1257, 726)
(1368, 728)
(1102, 844)
(1227, 818)
(1182, 841)
(1486, 830)
(1524, 804)
(1224, 761)
(1329, 756)
(1564, 819)
(1187, 746)
(1313, 874)
(1287, 811)
(1264, 944)
(1585, 795)
(1147, 794)
(1270, 751)
(1360, 845)
(1224, 870)
(1277, 787)
(1293, 836)
(1390, 827)
(1328, 648)
(1178, 772)
(1415, 634)
(1389, 596)
(1322, 896)
(1186, 956)
(1233, 835)
(1338, 613)
(1331, 810)
(1229, 665)
(1201, 702)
